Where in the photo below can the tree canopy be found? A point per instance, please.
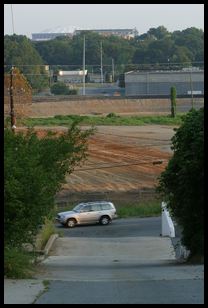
(34, 170)
(182, 182)
(156, 46)
(19, 52)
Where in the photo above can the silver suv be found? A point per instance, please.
(101, 212)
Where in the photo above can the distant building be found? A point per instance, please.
(159, 82)
(48, 36)
(93, 77)
(71, 76)
(71, 31)
(125, 33)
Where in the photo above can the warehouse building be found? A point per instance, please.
(186, 81)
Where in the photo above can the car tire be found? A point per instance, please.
(71, 223)
(104, 220)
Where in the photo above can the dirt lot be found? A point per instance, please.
(123, 164)
(123, 160)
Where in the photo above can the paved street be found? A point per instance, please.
(125, 262)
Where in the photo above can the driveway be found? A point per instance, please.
(117, 265)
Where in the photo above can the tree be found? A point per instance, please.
(159, 32)
(34, 170)
(173, 101)
(20, 52)
(182, 182)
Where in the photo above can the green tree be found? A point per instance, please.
(34, 170)
(19, 51)
(173, 101)
(182, 182)
(159, 32)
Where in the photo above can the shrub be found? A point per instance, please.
(34, 170)
(59, 88)
(182, 182)
(18, 263)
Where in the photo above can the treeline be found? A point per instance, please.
(157, 48)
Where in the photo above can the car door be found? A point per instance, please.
(84, 214)
(96, 212)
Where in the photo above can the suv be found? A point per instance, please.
(102, 212)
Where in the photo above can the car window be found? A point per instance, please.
(78, 207)
(96, 207)
(86, 208)
(105, 206)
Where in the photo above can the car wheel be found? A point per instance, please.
(71, 223)
(104, 220)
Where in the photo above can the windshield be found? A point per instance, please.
(78, 207)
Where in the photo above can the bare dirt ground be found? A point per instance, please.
(122, 159)
(123, 163)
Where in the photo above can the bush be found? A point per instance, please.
(34, 170)
(182, 182)
(59, 88)
(111, 115)
(18, 263)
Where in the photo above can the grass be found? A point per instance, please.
(139, 209)
(110, 119)
(124, 210)
(18, 263)
(46, 231)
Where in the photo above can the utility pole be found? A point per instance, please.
(101, 62)
(83, 66)
(12, 114)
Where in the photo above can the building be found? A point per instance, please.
(187, 82)
(125, 33)
(38, 37)
(71, 76)
(51, 34)
(93, 77)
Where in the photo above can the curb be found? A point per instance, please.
(49, 244)
(48, 247)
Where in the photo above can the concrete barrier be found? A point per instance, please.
(50, 242)
(168, 228)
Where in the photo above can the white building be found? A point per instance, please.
(71, 76)
(51, 34)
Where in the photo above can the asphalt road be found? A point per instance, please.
(122, 227)
(126, 262)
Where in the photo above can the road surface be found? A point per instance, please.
(126, 262)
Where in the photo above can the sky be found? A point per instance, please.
(34, 18)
